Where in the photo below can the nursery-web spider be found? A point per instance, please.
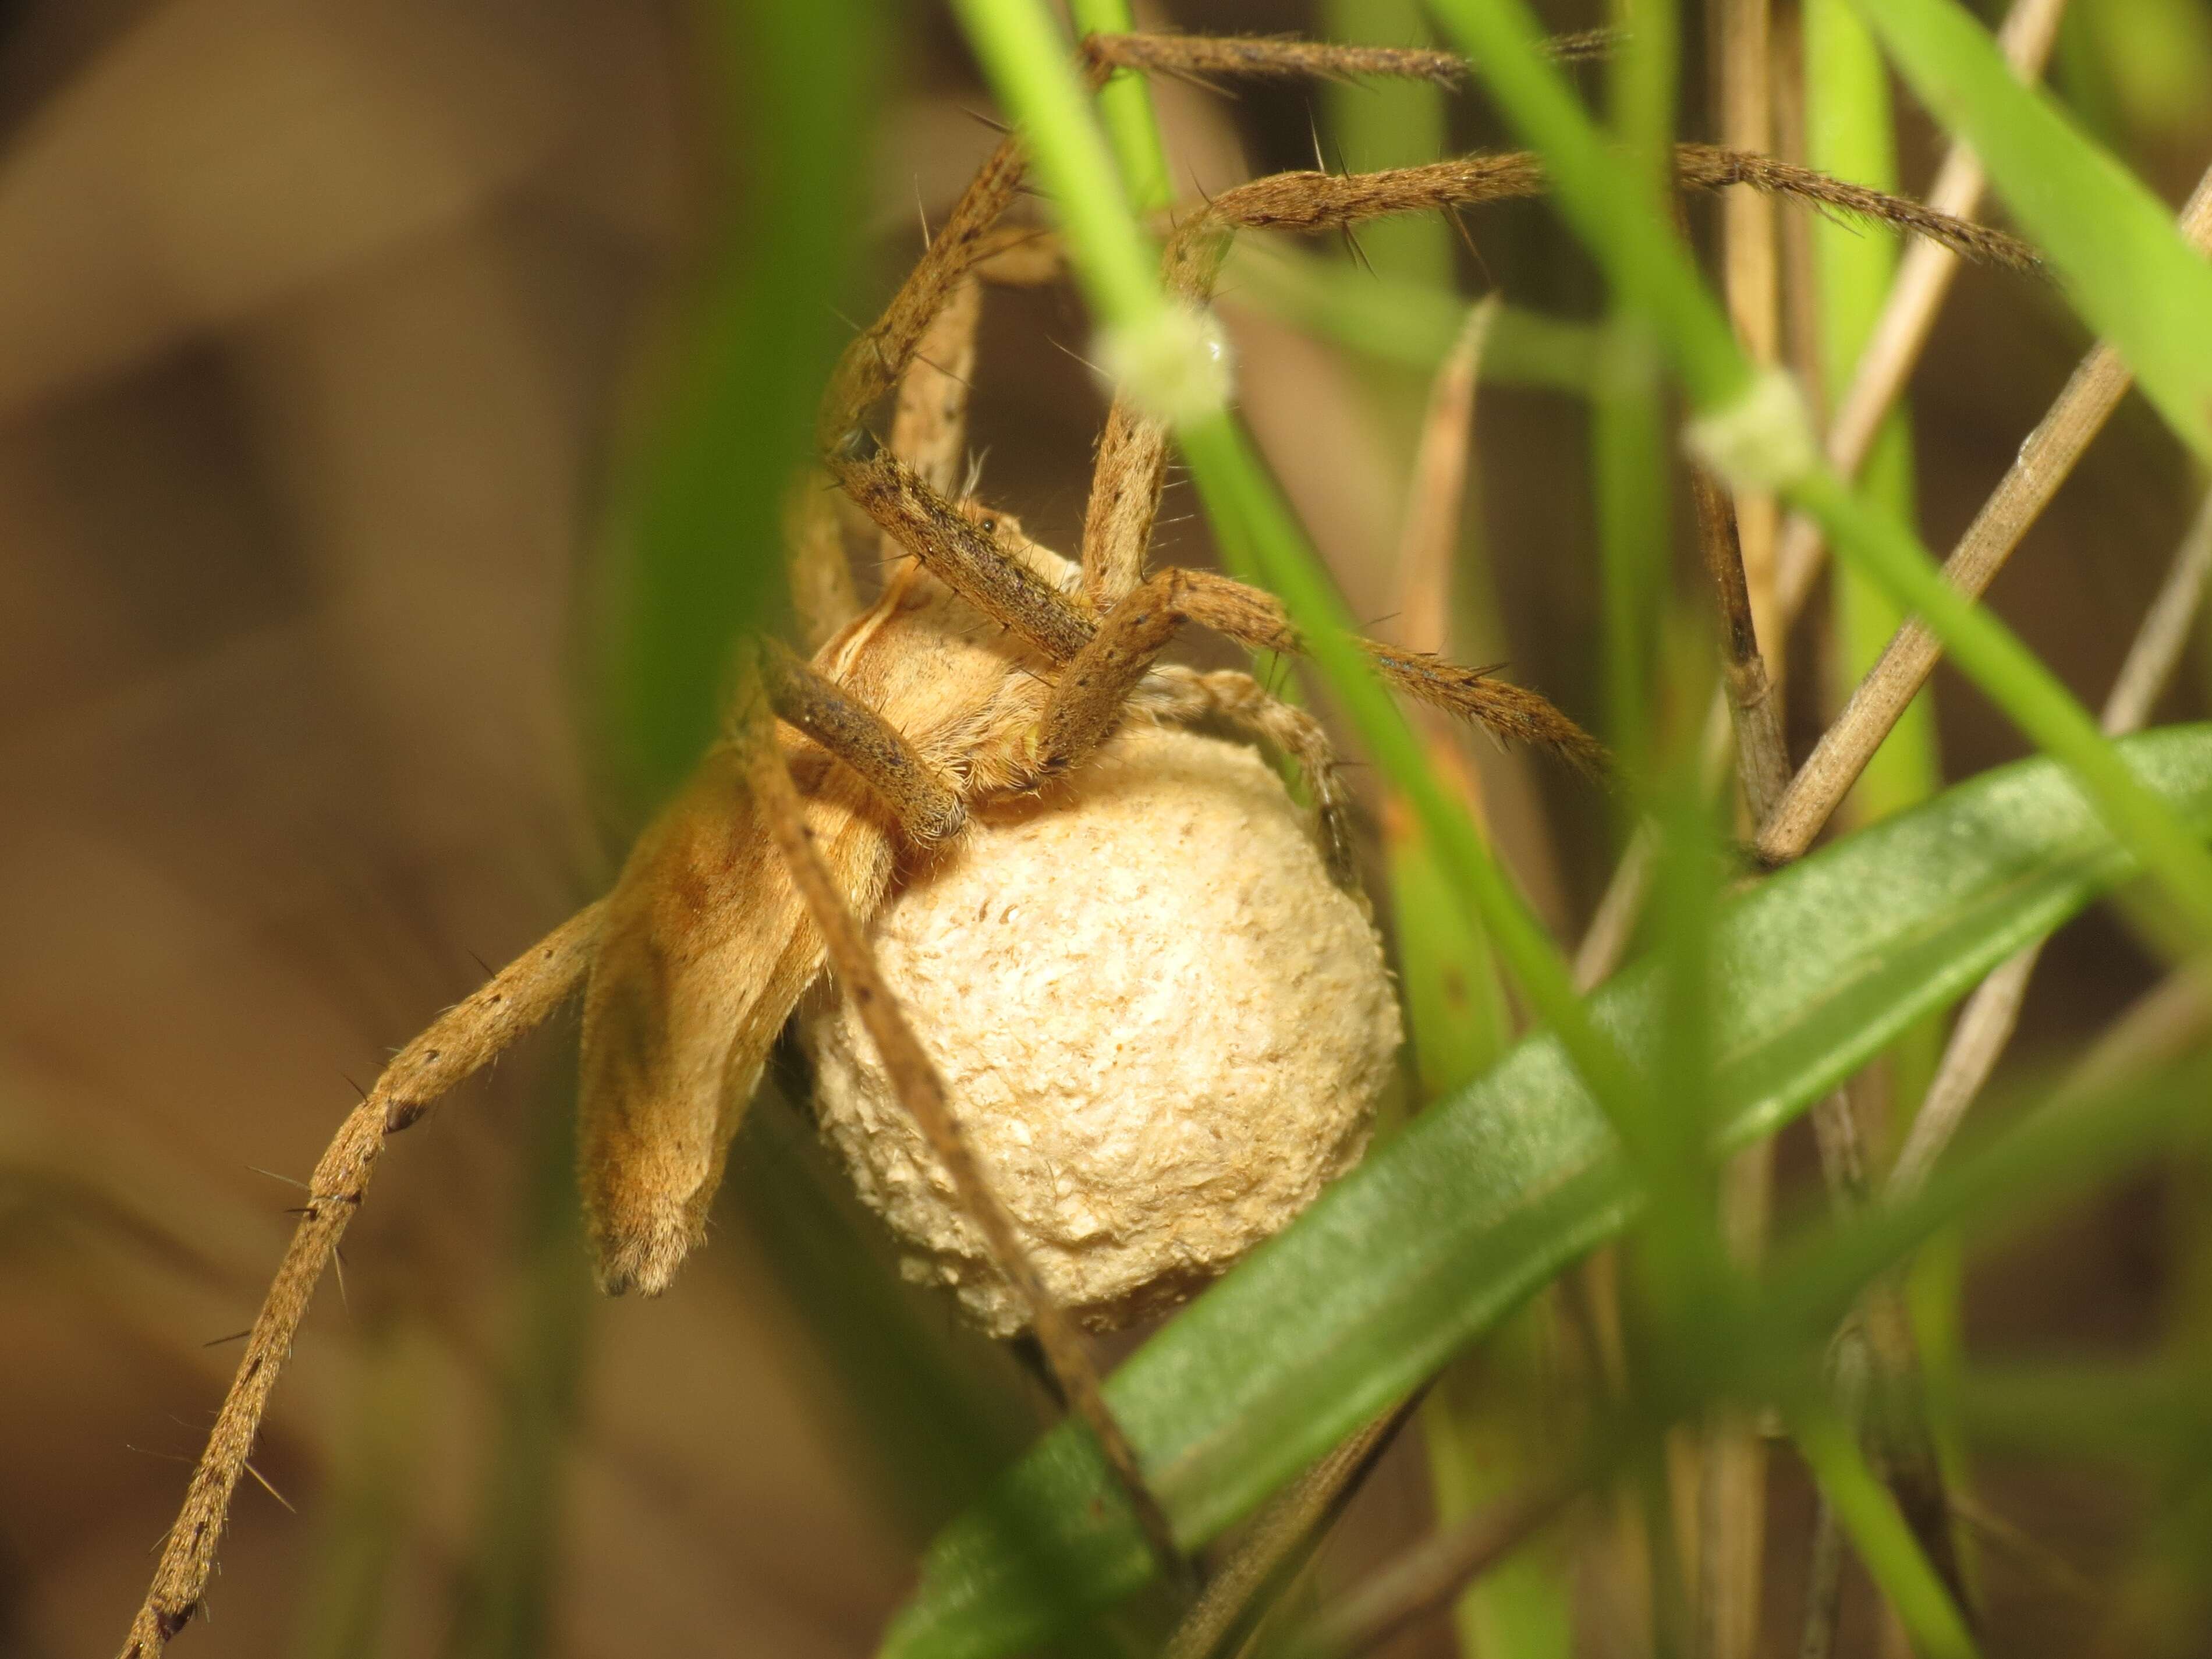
(769, 864)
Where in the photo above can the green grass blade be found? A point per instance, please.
(2018, 681)
(2138, 67)
(1630, 459)
(1025, 58)
(1849, 131)
(1484, 1197)
(1389, 123)
(1125, 105)
(1884, 1542)
(508, 1586)
(1611, 205)
(2072, 1139)
(1629, 470)
(2126, 268)
(367, 1511)
(1404, 323)
(698, 519)
(1258, 532)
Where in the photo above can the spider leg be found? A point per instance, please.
(1104, 660)
(929, 422)
(458, 1043)
(929, 433)
(922, 1092)
(1126, 481)
(821, 576)
(960, 551)
(925, 802)
(1171, 692)
(1087, 702)
(875, 360)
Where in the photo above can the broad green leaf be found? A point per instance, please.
(2126, 268)
(1486, 1197)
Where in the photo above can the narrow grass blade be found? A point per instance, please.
(698, 514)
(1885, 1543)
(1125, 105)
(1404, 323)
(2126, 268)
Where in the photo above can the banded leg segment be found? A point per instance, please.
(921, 1091)
(1126, 482)
(925, 803)
(929, 422)
(873, 362)
(959, 550)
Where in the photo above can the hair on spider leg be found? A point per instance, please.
(166, 1457)
(1003, 129)
(1354, 252)
(1067, 350)
(1456, 216)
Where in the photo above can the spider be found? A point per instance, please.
(988, 666)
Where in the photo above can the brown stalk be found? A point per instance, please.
(1732, 1470)
(2045, 462)
(1732, 1489)
(1427, 550)
(1430, 1575)
(1751, 277)
(1281, 1539)
(1754, 703)
(1823, 1578)
(921, 1091)
(1986, 1024)
(1729, 1507)
(459, 1042)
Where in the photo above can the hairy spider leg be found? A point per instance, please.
(925, 803)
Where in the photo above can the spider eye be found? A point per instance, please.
(990, 524)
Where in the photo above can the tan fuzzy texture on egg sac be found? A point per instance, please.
(1164, 1028)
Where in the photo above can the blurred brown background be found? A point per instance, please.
(317, 322)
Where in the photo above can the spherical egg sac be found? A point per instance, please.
(1162, 1026)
